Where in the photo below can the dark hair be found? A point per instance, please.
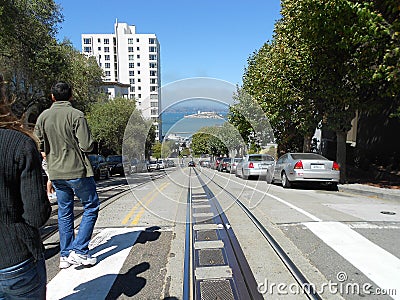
(61, 91)
(7, 119)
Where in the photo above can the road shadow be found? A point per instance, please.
(128, 284)
(150, 234)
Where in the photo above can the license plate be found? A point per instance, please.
(317, 167)
(264, 166)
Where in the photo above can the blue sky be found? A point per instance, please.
(198, 38)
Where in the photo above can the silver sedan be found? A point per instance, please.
(306, 167)
(260, 165)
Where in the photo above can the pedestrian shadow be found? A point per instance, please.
(113, 245)
(128, 284)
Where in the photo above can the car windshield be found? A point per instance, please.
(152, 162)
(261, 158)
(307, 156)
(114, 158)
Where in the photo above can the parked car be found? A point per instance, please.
(223, 164)
(260, 165)
(306, 167)
(152, 165)
(99, 166)
(216, 163)
(231, 166)
(115, 164)
(161, 164)
(131, 166)
(205, 163)
(191, 164)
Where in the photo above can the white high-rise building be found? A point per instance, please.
(130, 60)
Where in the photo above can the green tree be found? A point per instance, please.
(27, 40)
(346, 41)
(108, 123)
(157, 150)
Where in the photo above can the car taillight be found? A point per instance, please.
(298, 165)
(335, 166)
(251, 165)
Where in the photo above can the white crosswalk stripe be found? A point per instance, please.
(111, 247)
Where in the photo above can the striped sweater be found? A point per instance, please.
(24, 206)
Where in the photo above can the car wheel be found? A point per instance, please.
(285, 181)
(333, 187)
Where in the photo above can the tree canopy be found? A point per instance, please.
(327, 60)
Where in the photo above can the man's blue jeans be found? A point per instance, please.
(85, 190)
(26, 280)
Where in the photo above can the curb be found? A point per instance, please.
(381, 193)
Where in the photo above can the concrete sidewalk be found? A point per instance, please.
(370, 191)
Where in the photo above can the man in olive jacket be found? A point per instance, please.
(64, 140)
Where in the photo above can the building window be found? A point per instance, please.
(153, 104)
(131, 73)
(152, 65)
(108, 73)
(139, 88)
(153, 80)
(106, 49)
(152, 49)
(106, 57)
(138, 64)
(132, 80)
(98, 48)
(153, 73)
(154, 111)
(132, 89)
(139, 80)
(152, 57)
(152, 40)
(138, 48)
(137, 40)
(99, 40)
(131, 65)
(106, 41)
(138, 72)
(131, 57)
(139, 96)
(107, 65)
(153, 96)
(153, 88)
(130, 49)
(138, 56)
(87, 49)
(130, 41)
(87, 41)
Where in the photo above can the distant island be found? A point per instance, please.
(205, 115)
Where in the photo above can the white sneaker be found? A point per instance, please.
(80, 259)
(64, 262)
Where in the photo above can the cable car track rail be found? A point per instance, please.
(304, 284)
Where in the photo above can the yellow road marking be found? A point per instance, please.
(132, 211)
(141, 212)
